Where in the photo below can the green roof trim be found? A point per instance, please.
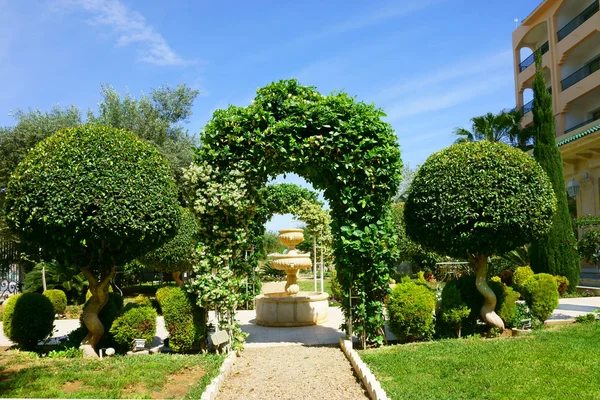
(579, 135)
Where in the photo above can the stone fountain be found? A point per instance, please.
(291, 307)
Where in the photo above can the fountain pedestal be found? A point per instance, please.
(292, 307)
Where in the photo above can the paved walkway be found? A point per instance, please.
(328, 333)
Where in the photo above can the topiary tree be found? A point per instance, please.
(176, 255)
(94, 197)
(474, 200)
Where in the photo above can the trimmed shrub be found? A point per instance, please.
(505, 297)
(143, 301)
(453, 309)
(336, 288)
(541, 295)
(563, 284)
(58, 298)
(410, 308)
(30, 318)
(139, 322)
(7, 313)
(184, 319)
(521, 275)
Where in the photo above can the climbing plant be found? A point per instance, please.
(340, 146)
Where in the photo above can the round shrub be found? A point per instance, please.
(138, 322)
(30, 318)
(522, 275)
(142, 301)
(184, 319)
(541, 295)
(58, 298)
(410, 308)
(7, 313)
(563, 284)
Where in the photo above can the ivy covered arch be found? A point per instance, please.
(340, 146)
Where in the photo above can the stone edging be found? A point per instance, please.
(371, 383)
(212, 391)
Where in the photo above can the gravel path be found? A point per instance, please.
(292, 372)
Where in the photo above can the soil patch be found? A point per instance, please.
(177, 385)
(72, 387)
(292, 372)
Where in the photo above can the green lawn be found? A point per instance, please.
(555, 363)
(152, 376)
(308, 285)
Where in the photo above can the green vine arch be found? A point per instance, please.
(341, 147)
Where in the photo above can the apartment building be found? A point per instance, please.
(568, 34)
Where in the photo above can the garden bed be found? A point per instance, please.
(157, 376)
(559, 362)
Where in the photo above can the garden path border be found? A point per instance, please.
(371, 383)
(212, 391)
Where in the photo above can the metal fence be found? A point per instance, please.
(11, 274)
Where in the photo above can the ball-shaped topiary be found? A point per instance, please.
(58, 299)
(94, 197)
(30, 318)
(410, 308)
(473, 200)
(7, 313)
(176, 255)
(541, 295)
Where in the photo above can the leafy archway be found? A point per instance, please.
(337, 144)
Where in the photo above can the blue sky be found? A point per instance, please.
(430, 64)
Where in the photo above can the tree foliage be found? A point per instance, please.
(177, 254)
(503, 127)
(94, 197)
(157, 118)
(478, 198)
(339, 145)
(556, 252)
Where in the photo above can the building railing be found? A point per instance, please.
(531, 59)
(578, 20)
(584, 123)
(529, 105)
(581, 73)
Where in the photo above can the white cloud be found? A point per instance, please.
(476, 66)
(131, 28)
(445, 98)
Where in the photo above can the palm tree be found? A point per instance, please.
(503, 127)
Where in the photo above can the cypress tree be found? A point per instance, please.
(556, 253)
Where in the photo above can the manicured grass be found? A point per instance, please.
(152, 376)
(561, 362)
(308, 285)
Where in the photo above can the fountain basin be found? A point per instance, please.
(281, 309)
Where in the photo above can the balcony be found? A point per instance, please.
(531, 59)
(529, 106)
(581, 74)
(584, 123)
(578, 20)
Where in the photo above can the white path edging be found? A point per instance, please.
(212, 391)
(373, 386)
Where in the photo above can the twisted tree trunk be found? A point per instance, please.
(488, 313)
(99, 291)
(177, 278)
